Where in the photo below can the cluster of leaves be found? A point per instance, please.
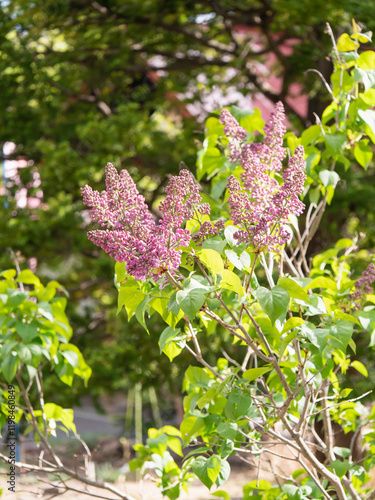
(35, 334)
(154, 455)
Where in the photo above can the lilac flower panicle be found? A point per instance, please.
(231, 126)
(363, 285)
(237, 134)
(259, 204)
(182, 199)
(275, 130)
(131, 234)
(208, 229)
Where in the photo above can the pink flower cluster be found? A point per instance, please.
(259, 204)
(363, 285)
(131, 235)
(208, 229)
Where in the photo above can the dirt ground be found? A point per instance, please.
(145, 490)
(140, 491)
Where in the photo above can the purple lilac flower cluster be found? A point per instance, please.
(207, 230)
(131, 235)
(261, 206)
(363, 285)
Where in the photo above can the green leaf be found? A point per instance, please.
(322, 282)
(363, 153)
(367, 319)
(218, 189)
(209, 161)
(214, 126)
(336, 143)
(341, 467)
(51, 288)
(9, 366)
(170, 430)
(260, 484)
(253, 122)
(175, 445)
(31, 371)
(140, 312)
(292, 323)
(212, 260)
(310, 135)
(221, 494)
(228, 430)
(240, 262)
(9, 274)
(230, 281)
(341, 333)
(238, 404)
(317, 336)
(27, 331)
(190, 301)
(314, 195)
(345, 43)
(296, 492)
(28, 277)
(223, 474)
(129, 297)
(357, 365)
(274, 302)
(329, 112)
(294, 290)
(172, 350)
(329, 178)
(71, 357)
(173, 307)
(343, 243)
(207, 470)
(15, 297)
(191, 427)
(254, 373)
(366, 60)
(24, 354)
(229, 233)
(215, 244)
(362, 37)
(167, 336)
(368, 116)
(75, 361)
(197, 376)
(64, 415)
(161, 305)
(341, 82)
(353, 345)
(45, 310)
(341, 452)
(226, 448)
(286, 341)
(239, 113)
(366, 77)
(368, 97)
(193, 224)
(208, 397)
(120, 273)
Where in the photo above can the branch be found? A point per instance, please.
(73, 475)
